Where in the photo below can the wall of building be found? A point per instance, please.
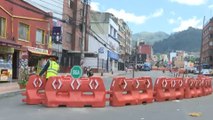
(15, 13)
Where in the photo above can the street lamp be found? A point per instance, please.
(97, 55)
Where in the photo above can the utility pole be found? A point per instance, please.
(84, 19)
(201, 48)
(134, 61)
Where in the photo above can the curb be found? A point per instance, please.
(11, 93)
(114, 75)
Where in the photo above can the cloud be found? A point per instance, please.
(95, 6)
(185, 24)
(172, 13)
(210, 6)
(190, 2)
(131, 17)
(158, 13)
(171, 21)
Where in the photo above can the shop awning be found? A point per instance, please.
(9, 43)
(38, 51)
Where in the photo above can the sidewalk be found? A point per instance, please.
(9, 89)
(12, 88)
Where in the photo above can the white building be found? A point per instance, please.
(103, 42)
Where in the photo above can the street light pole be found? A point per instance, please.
(135, 61)
(201, 48)
(98, 62)
(84, 20)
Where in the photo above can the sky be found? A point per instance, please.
(158, 15)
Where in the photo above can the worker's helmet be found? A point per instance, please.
(53, 56)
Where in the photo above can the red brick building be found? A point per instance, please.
(72, 33)
(24, 32)
(207, 43)
(144, 52)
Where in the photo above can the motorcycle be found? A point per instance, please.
(89, 72)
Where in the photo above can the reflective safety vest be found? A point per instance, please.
(52, 69)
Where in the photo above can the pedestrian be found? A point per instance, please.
(51, 67)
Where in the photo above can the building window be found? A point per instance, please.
(40, 36)
(70, 20)
(69, 37)
(70, 2)
(115, 34)
(210, 28)
(2, 27)
(111, 30)
(81, 12)
(24, 32)
(211, 36)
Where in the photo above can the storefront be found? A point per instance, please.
(31, 56)
(9, 58)
(112, 61)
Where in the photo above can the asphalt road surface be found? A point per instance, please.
(12, 109)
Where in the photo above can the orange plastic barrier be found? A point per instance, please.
(57, 91)
(71, 92)
(34, 90)
(88, 92)
(207, 85)
(199, 87)
(190, 89)
(143, 90)
(176, 88)
(121, 92)
(162, 90)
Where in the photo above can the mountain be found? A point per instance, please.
(188, 40)
(149, 37)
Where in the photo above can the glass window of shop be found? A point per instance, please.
(2, 27)
(24, 32)
(40, 36)
(6, 54)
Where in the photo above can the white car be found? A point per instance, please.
(206, 71)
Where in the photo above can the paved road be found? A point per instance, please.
(12, 108)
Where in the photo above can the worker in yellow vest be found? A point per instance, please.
(51, 67)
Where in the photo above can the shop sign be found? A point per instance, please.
(113, 55)
(38, 50)
(6, 50)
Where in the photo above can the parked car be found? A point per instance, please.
(147, 66)
(190, 69)
(205, 69)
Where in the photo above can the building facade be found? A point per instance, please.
(24, 33)
(207, 43)
(73, 33)
(144, 53)
(103, 42)
(124, 37)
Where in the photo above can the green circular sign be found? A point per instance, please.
(76, 71)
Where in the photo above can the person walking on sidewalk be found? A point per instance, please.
(51, 67)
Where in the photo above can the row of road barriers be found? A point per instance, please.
(70, 92)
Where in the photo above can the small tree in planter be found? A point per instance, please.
(23, 73)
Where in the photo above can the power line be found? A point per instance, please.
(56, 12)
(105, 44)
(36, 11)
(52, 4)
